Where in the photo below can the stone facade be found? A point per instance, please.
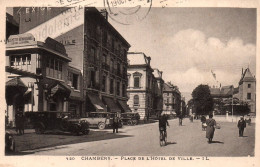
(144, 86)
(172, 100)
(247, 89)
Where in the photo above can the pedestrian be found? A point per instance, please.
(17, 123)
(203, 122)
(211, 123)
(22, 121)
(241, 126)
(180, 120)
(115, 123)
(191, 118)
(249, 121)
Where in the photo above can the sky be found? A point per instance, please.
(188, 44)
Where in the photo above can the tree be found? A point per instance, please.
(202, 100)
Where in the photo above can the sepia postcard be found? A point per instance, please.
(129, 83)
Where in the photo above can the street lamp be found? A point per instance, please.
(232, 103)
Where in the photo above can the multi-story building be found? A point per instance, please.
(140, 84)
(145, 86)
(36, 77)
(247, 89)
(158, 92)
(173, 103)
(245, 92)
(168, 99)
(97, 50)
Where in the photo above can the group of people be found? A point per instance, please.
(209, 125)
(19, 123)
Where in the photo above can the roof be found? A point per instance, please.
(247, 77)
(225, 91)
(138, 58)
(167, 87)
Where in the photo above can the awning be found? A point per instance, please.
(97, 103)
(60, 90)
(13, 87)
(113, 107)
(16, 82)
(124, 106)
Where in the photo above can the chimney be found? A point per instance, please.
(242, 71)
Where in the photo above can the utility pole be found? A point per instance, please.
(232, 104)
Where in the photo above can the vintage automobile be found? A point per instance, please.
(43, 121)
(130, 118)
(101, 120)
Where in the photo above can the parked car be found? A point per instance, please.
(43, 121)
(101, 120)
(130, 118)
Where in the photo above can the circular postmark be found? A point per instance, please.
(127, 11)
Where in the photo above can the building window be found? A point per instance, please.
(92, 78)
(112, 65)
(104, 60)
(75, 81)
(53, 107)
(104, 83)
(56, 64)
(136, 100)
(249, 85)
(137, 82)
(248, 96)
(118, 69)
(111, 86)
(52, 64)
(123, 90)
(60, 66)
(118, 88)
(20, 60)
(93, 54)
(12, 60)
(167, 101)
(23, 60)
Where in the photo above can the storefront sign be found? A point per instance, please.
(21, 39)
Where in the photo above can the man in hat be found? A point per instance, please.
(241, 126)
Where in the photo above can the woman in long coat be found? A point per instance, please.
(211, 123)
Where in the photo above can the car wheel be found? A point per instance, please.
(101, 125)
(85, 129)
(134, 122)
(39, 129)
(129, 122)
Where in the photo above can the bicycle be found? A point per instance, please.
(163, 137)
